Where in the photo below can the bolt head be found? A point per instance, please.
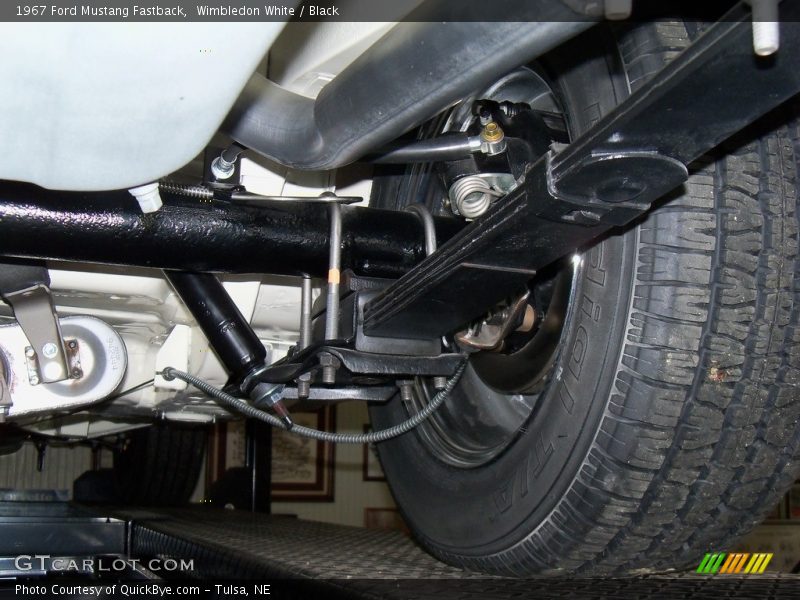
(49, 350)
(29, 352)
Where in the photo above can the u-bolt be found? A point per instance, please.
(428, 225)
(304, 381)
(334, 277)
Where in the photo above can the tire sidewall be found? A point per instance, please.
(487, 509)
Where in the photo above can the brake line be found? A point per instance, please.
(372, 437)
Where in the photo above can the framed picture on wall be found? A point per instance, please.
(385, 518)
(303, 469)
(372, 467)
(782, 511)
(794, 501)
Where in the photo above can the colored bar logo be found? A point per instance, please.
(734, 563)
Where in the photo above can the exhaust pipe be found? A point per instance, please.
(413, 72)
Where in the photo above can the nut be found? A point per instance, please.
(328, 360)
(492, 132)
(329, 364)
(267, 394)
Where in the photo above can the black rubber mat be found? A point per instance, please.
(349, 562)
(295, 548)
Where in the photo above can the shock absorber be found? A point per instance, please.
(230, 335)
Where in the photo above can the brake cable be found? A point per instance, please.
(249, 410)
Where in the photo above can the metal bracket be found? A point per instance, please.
(358, 363)
(375, 364)
(603, 185)
(35, 313)
(95, 374)
(373, 393)
(73, 362)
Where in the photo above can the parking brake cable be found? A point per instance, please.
(249, 410)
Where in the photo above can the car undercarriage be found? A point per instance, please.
(557, 216)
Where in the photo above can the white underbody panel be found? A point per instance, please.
(139, 303)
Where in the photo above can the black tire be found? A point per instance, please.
(160, 465)
(670, 423)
